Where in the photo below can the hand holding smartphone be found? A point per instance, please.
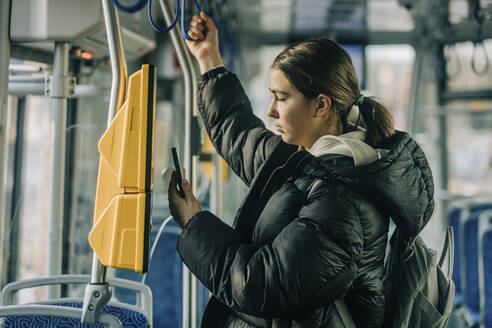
(179, 178)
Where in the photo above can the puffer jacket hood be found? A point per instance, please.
(386, 180)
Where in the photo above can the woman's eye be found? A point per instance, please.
(278, 99)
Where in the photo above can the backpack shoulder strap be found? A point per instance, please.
(341, 306)
(448, 245)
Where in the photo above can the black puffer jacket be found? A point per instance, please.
(310, 231)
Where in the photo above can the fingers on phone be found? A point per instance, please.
(172, 186)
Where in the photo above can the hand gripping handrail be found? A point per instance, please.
(190, 79)
(97, 292)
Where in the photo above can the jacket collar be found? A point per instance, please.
(349, 144)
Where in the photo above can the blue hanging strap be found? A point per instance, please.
(162, 29)
(479, 17)
(138, 5)
(183, 29)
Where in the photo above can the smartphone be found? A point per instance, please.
(178, 171)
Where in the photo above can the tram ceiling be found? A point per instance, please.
(461, 32)
(343, 36)
(360, 21)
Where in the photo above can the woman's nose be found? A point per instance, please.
(272, 111)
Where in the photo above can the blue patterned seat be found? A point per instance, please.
(128, 318)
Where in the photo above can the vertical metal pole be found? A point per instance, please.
(4, 79)
(190, 160)
(118, 86)
(118, 60)
(59, 127)
(413, 102)
(13, 259)
(97, 292)
(442, 126)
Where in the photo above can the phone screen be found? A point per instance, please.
(178, 171)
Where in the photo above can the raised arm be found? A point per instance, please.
(238, 135)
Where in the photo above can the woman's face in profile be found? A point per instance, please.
(292, 112)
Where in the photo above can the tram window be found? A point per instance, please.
(31, 211)
(459, 66)
(385, 15)
(357, 53)
(389, 76)
(91, 120)
(469, 145)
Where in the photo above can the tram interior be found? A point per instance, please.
(427, 60)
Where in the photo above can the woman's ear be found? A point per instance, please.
(323, 105)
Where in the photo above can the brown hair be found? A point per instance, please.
(323, 66)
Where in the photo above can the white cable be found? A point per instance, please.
(154, 245)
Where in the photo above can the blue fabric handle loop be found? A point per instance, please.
(138, 5)
(183, 29)
(167, 28)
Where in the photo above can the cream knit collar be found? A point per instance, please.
(350, 144)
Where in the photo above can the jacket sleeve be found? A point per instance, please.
(311, 262)
(239, 136)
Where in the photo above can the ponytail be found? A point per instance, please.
(378, 121)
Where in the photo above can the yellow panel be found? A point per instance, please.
(102, 234)
(118, 237)
(124, 143)
(107, 188)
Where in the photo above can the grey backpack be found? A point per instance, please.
(418, 291)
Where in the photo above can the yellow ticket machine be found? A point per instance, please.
(122, 214)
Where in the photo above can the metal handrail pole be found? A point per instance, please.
(415, 87)
(38, 89)
(119, 69)
(117, 96)
(59, 117)
(190, 163)
(4, 74)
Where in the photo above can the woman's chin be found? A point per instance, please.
(288, 140)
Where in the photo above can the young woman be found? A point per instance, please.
(313, 228)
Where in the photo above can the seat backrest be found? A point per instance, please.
(454, 217)
(485, 266)
(138, 315)
(165, 277)
(472, 290)
(463, 217)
